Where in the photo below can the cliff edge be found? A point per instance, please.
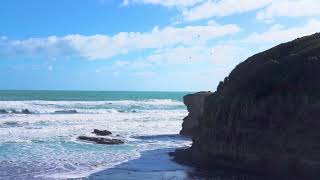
(195, 107)
(265, 116)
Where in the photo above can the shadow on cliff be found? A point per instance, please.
(157, 164)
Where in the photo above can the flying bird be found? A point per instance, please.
(212, 52)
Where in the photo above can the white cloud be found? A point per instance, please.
(220, 8)
(174, 63)
(180, 55)
(279, 33)
(193, 55)
(166, 3)
(193, 10)
(290, 8)
(104, 46)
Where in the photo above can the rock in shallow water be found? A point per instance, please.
(101, 132)
(100, 140)
(26, 111)
(66, 112)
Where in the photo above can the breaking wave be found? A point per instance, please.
(86, 107)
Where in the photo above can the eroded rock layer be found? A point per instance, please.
(195, 106)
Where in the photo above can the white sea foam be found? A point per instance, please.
(53, 125)
(45, 144)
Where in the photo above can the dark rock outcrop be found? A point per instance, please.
(13, 111)
(66, 112)
(101, 132)
(3, 111)
(195, 106)
(26, 111)
(100, 140)
(265, 116)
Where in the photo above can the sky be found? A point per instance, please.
(140, 45)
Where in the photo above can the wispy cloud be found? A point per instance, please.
(195, 54)
(290, 8)
(193, 10)
(280, 34)
(104, 46)
(166, 3)
(221, 8)
(192, 55)
(203, 9)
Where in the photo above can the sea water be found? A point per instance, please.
(39, 130)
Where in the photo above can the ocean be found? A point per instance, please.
(39, 130)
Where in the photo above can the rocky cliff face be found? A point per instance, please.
(195, 106)
(265, 116)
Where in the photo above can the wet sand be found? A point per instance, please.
(158, 165)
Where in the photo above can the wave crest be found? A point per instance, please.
(87, 107)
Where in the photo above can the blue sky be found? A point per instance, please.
(159, 45)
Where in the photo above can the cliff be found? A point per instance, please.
(195, 106)
(265, 116)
